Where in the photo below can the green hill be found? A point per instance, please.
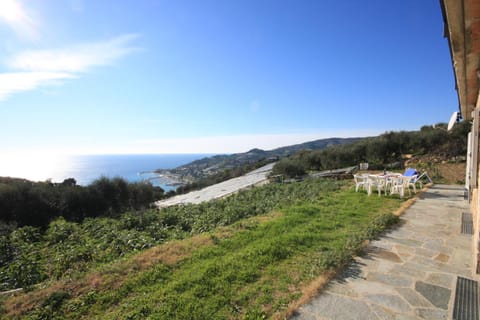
(210, 166)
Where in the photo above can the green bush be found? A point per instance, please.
(290, 168)
(24, 202)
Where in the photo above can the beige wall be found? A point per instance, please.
(475, 177)
(474, 205)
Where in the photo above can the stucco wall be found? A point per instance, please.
(476, 224)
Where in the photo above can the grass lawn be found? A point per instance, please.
(259, 267)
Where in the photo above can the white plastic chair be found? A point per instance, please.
(389, 181)
(399, 184)
(412, 183)
(377, 182)
(361, 181)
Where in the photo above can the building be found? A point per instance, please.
(462, 28)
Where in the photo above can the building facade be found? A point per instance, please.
(462, 29)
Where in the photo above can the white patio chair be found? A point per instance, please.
(361, 181)
(389, 180)
(378, 182)
(400, 184)
(412, 183)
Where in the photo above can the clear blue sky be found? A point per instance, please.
(146, 76)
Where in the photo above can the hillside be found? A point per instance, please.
(202, 168)
(254, 255)
(425, 149)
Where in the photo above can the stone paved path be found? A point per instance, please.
(409, 273)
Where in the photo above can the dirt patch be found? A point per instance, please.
(170, 253)
(452, 172)
(440, 169)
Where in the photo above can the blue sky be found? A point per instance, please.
(146, 76)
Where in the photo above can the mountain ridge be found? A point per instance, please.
(208, 166)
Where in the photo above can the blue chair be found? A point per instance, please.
(416, 177)
(410, 172)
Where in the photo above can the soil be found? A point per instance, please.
(452, 172)
(440, 168)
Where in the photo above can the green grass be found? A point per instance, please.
(254, 272)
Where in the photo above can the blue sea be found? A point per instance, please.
(86, 168)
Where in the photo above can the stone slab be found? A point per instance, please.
(390, 279)
(441, 279)
(413, 298)
(432, 314)
(337, 307)
(392, 302)
(438, 296)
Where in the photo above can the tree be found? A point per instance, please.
(290, 168)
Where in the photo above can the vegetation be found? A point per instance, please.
(220, 176)
(213, 168)
(24, 202)
(99, 252)
(263, 247)
(65, 247)
(384, 151)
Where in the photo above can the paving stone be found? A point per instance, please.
(431, 314)
(410, 270)
(461, 258)
(442, 257)
(390, 279)
(382, 313)
(456, 241)
(413, 298)
(425, 252)
(366, 262)
(380, 253)
(448, 268)
(404, 317)
(426, 264)
(441, 279)
(445, 234)
(438, 296)
(355, 271)
(404, 252)
(407, 242)
(392, 302)
(342, 289)
(337, 307)
(371, 287)
(419, 235)
(385, 266)
(437, 245)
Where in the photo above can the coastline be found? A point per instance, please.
(165, 178)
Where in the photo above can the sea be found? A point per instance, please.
(86, 168)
